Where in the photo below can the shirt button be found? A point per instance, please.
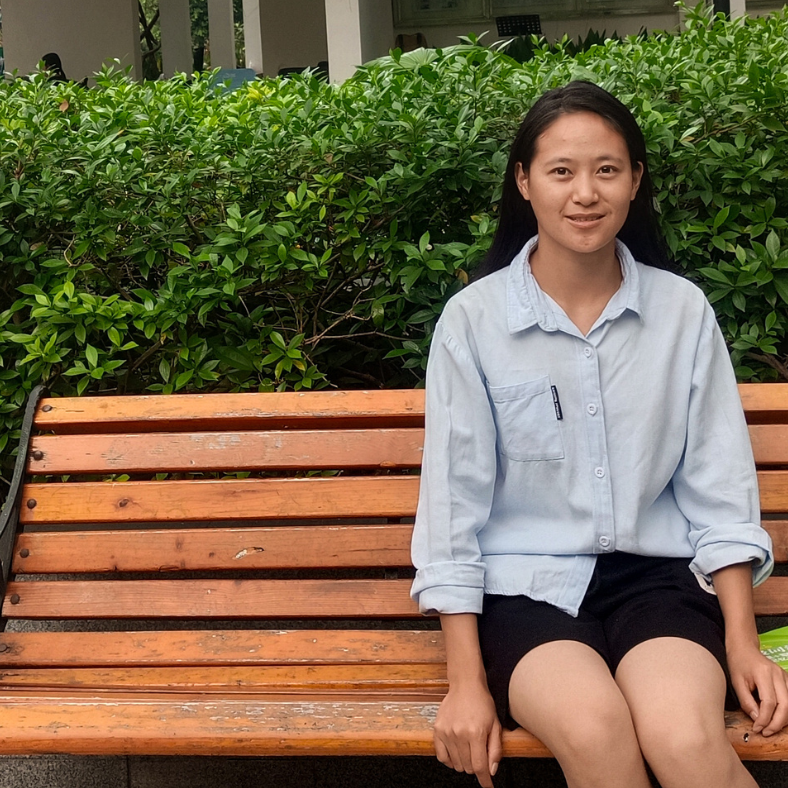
(604, 541)
(600, 472)
(591, 409)
(588, 352)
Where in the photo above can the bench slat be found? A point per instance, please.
(245, 499)
(769, 443)
(116, 724)
(774, 491)
(778, 530)
(218, 451)
(256, 499)
(427, 678)
(765, 403)
(275, 449)
(771, 598)
(245, 599)
(278, 547)
(204, 599)
(198, 412)
(221, 647)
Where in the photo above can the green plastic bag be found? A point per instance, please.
(774, 644)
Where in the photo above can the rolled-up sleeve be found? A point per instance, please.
(457, 481)
(715, 485)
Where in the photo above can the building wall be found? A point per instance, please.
(293, 34)
(446, 35)
(376, 21)
(85, 33)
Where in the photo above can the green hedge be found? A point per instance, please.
(292, 234)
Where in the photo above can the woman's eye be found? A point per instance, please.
(560, 171)
(607, 169)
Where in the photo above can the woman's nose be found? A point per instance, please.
(584, 190)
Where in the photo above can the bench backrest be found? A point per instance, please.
(255, 506)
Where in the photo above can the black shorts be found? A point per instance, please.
(630, 599)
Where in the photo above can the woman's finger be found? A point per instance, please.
(441, 751)
(744, 694)
(766, 692)
(494, 747)
(460, 755)
(480, 763)
(780, 714)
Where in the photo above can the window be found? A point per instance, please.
(440, 12)
(458, 12)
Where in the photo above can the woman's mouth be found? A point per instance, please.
(585, 220)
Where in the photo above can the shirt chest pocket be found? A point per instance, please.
(525, 418)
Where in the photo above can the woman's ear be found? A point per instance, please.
(637, 175)
(521, 179)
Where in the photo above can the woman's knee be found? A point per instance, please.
(602, 728)
(594, 727)
(684, 741)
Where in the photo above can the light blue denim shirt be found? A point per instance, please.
(545, 448)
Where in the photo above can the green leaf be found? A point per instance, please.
(181, 249)
(92, 355)
(715, 275)
(236, 358)
(773, 245)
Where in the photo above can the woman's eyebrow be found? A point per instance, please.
(567, 160)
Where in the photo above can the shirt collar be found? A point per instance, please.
(527, 304)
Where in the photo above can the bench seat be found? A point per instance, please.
(229, 574)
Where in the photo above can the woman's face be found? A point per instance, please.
(580, 183)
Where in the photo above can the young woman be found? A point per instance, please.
(588, 521)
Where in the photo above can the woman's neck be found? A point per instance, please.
(580, 283)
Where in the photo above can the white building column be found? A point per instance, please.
(221, 35)
(176, 37)
(738, 8)
(85, 33)
(293, 34)
(357, 31)
(253, 40)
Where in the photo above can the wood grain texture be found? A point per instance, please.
(771, 598)
(769, 443)
(223, 451)
(200, 412)
(206, 599)
(247, 599)
(117, 724)
(278, 547)
(221, 647)
(230, 679)
(765, 402)
(773, 487)
(246, 499)
(778, 530)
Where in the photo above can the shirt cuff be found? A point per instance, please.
(449, 587)
(754, 546)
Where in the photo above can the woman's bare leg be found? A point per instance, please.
(676, 694)
(563, 693)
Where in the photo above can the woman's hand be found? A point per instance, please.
(752, 671)
(467, 732)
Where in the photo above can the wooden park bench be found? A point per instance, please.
(255, 601)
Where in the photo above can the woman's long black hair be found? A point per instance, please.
(517, 222)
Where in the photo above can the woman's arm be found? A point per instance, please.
(750, 670)
(467, 731)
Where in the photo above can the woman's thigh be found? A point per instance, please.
(563, 693)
